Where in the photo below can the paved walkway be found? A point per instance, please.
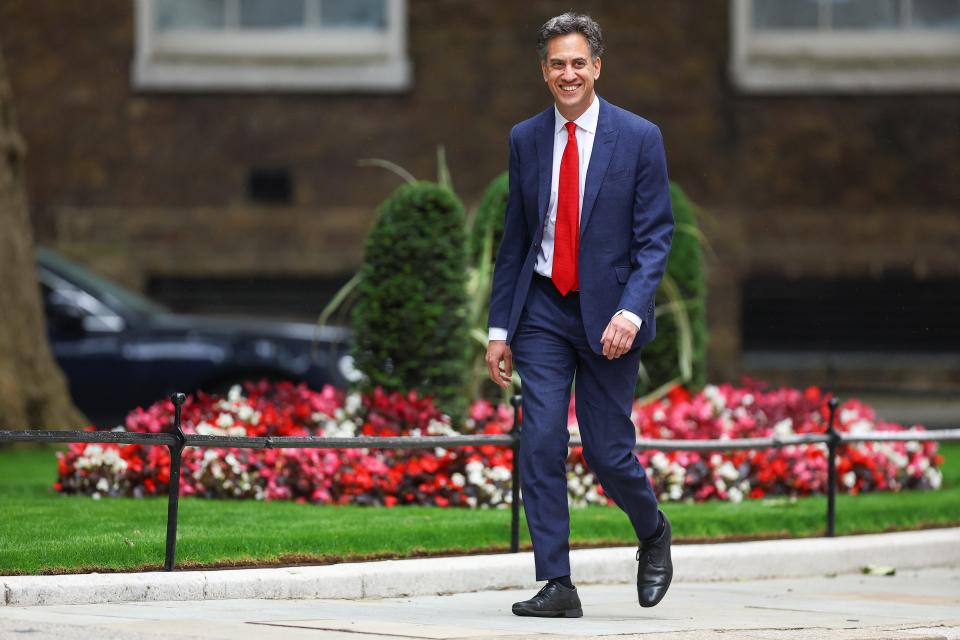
(913, 605)
(753, 590)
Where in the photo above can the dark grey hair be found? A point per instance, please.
(570, 22)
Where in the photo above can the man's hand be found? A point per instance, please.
(499, 351)
(617, 338)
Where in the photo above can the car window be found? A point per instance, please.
(97, 285)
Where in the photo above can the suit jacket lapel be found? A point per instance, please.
(603, 145)
(545, 139)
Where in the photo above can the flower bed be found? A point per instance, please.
(480, 476)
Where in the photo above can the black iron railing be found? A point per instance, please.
(176, 440)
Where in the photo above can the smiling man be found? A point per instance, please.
(586, 237)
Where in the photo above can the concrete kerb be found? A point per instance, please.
(433, 576)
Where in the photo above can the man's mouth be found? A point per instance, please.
(569, 88)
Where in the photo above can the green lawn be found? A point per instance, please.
(43, 532)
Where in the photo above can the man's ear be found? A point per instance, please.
(543, 70)
(596, 71)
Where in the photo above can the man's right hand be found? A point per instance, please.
(499, 351)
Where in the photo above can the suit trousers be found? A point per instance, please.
(550, 351)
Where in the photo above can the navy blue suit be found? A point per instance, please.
(626, 226)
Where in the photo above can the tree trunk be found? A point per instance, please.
(33, 392)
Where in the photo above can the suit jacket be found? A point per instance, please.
(626, 223)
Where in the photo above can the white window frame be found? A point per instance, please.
(330, 60)
(840, 61)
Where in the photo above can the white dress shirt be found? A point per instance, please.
(586, 131)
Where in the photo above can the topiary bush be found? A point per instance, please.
(679, 352)
(409, 319)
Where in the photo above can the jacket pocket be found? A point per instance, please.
(623, 273)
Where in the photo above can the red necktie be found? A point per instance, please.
(566, 240)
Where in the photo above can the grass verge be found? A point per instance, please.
(44, 532)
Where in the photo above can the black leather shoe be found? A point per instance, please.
(553, 601)
(656, 567)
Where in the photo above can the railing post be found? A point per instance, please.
(515, 480)
(832, 467)
(173, 491)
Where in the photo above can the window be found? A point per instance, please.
(271, 45)
(846, 45)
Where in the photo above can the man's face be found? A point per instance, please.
(570, 72)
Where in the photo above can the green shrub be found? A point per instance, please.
(409, 319)
(679, 352)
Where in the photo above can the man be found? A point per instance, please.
(586, 237)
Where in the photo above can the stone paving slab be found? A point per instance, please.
(912, 605)
(431, 576)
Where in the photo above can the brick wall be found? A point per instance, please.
(141, 184)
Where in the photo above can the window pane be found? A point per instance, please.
(271, 14)
(354, 13)
(785, 14)
(190, 14)
(866, 14)
(936, 14)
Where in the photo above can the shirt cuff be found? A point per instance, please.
(629, 315)
(496, 333)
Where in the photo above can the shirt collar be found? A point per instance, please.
(587, 120)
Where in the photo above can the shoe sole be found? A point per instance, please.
(566, 613)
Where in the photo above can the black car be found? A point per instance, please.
(120, 350)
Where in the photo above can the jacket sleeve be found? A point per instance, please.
(652, 226)
(513, 244)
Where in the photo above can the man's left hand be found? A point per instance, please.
(618, 337)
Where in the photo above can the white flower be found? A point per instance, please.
(235, 393)
(783, 428)
(225, 420)
(353, 403)
(727, 471)
(747, 400)
(458, 480)
(502, 474)
(735, 495)
(861, 426)
(659, 461)
(934, 477)
(849, 479)
(103, 485)
(675, 492)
